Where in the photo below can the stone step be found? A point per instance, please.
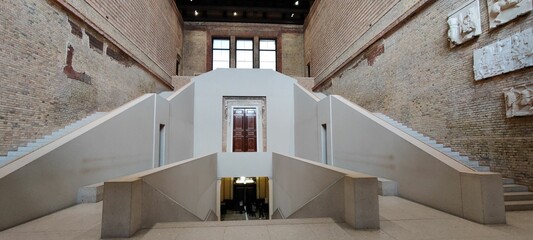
(519, 205)
(387, 187)
(482, 169)
(508, 181)
(91, 193)
(424, 139)
(16, 153)
(25, 149)
(50, 137)
(437, 146)
(471, 164)
(5, 160)
(518, 196)
(455, 155)
(445, 150)
(431, 141)
(34, 145)
(514, 188)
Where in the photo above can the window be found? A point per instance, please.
(267, 54)
(245, 53)
(220, 53)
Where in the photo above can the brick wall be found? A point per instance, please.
(332, 26)
(39, 91)
(413, 76)
(153, 26)
(198, 36)
(194, 52)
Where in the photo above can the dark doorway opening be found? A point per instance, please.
(244, 198)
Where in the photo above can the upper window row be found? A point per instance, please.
(244, 53)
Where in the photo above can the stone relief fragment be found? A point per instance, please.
(502, 11)
(506, 55)
(519, 100)
(464, 23)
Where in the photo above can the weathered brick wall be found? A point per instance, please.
(194, 52)
(414, 77)
(293, 56)
(198, 35)
(333, 25)
(154, 26)
(39, 91)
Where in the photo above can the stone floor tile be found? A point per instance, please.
(396, 208)
(365, 234)
(292, 232)
(246, 233)
(201, 233)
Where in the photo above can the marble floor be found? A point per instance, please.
(400, 219)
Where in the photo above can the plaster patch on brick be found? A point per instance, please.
(373, 53)
(69, 70)
(75, 29)
(95, 43)
(119, 56)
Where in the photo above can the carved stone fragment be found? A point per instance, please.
(519, 100)
(506, 55)
(464, 23)
(502, 11)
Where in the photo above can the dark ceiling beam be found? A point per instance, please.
(252, 11)
(237, 8)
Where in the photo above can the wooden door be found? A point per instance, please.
(244, 130)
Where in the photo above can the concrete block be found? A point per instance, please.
(482, 198)
(91, 193)
(361, 205)
(121, 215)
(387, 187)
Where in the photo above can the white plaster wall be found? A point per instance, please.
(324, 117)
(244, 164)
(306, 127)
(210, 88)
(180, 132)
(48, 179)
(161, 116)
(361, 143)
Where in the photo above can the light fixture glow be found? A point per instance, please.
(292, 15)
(196, 13)
(244, 180)
(296, 3)
(234, 13)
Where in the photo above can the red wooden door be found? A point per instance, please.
(244, 130)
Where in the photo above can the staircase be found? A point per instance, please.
(517, 197)
(30, 147)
